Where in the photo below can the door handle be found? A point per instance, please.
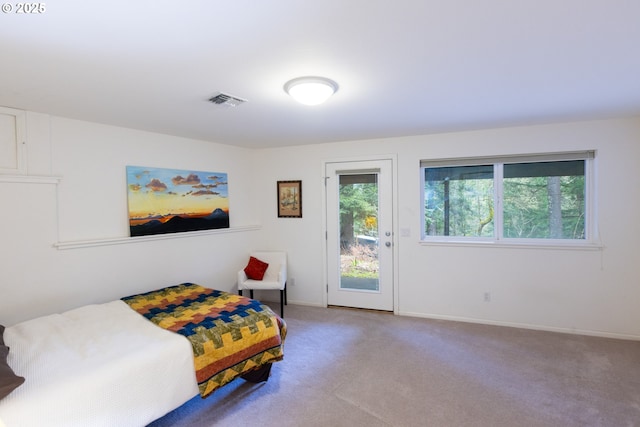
(388, 244)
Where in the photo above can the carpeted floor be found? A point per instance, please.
(357, 368)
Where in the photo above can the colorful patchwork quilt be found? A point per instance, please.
(230, 334)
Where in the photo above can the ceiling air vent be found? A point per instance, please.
(227, 100)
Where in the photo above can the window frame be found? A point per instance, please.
(591, 238)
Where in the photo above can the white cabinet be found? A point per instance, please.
(12, 141)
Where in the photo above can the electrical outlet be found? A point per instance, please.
(487, 297)
(291, 281)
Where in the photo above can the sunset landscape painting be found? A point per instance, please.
(172, 201)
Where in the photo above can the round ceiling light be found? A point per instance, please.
(311, 90)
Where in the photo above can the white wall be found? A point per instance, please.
(591, 292)
(90, 203)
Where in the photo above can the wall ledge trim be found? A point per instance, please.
(30, 179)
(77, 244)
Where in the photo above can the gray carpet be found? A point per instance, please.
(347, 367)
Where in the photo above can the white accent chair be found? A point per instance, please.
(274, 278)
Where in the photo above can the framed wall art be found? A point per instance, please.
(289, 199)
(174, 201)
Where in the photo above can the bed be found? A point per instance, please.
(130, 361)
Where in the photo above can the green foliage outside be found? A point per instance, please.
(359, 261)
(360, 202)
(470, 203)
(358, 217)
(546, 207)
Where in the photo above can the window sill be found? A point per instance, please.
(582, 246)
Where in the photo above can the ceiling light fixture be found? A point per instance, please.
(311, 90)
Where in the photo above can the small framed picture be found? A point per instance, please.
(289, 199)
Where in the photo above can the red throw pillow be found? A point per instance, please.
(255, 269)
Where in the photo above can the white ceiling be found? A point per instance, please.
(404, 67)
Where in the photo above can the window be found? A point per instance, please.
(514, 199)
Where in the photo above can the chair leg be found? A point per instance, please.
(251, 293)
(240, 292)
(285, 293)
(282, 304)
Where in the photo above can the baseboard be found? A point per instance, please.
(305, 303)
(573, 331)
(290, 302)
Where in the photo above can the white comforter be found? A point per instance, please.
(98, 365)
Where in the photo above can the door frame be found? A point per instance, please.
(394, 213)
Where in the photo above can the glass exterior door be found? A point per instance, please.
(359, 234)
